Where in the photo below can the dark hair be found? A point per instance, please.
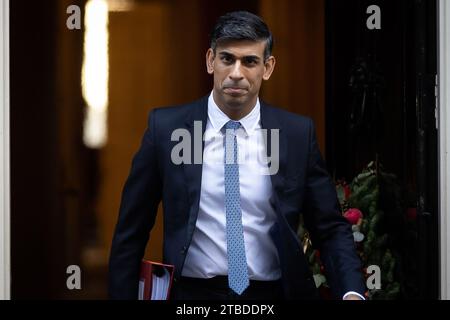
(242, 25)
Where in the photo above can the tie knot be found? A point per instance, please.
(232, 125)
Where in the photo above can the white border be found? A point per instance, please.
(5, 249)
(444, 146)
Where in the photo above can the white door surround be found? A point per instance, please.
(5, 257)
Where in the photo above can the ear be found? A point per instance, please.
(210, 61)
(269, 65)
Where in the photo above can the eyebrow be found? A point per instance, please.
(226, 53)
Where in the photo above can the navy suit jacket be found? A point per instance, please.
(301, 186)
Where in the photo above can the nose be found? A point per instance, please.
(236, 72)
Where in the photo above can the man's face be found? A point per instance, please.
(238, 67)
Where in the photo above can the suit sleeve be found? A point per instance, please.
(140, 198)
(330, 231)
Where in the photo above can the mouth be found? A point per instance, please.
(235, 91)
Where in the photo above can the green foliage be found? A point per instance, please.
(366, 196)
(375, 248)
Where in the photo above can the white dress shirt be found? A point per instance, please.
(207, 254)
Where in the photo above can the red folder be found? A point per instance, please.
(155, 280)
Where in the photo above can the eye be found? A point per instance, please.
(226, 59)
(250, 61)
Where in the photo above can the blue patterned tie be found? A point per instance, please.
(237, 262)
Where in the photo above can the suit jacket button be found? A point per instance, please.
(183, 251)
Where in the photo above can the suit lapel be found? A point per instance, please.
(270, 121)
(193, 171)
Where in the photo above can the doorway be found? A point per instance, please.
(381, 107)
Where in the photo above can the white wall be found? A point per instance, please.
(5, 265)
(444, 145)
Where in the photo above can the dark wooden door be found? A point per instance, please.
(381, 106)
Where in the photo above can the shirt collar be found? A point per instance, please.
(218, 118)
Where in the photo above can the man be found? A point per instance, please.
(229, 222)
